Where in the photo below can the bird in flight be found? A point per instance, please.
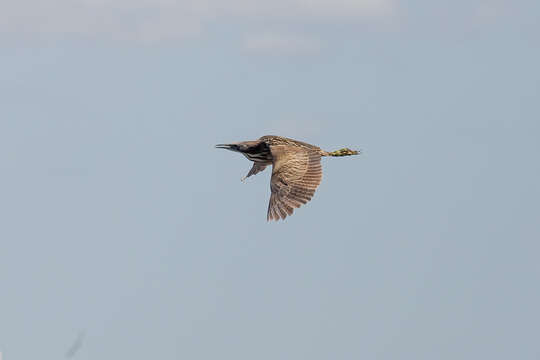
(296, 169)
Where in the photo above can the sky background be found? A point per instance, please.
(119, 220)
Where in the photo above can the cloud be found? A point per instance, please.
(158, 20)
(275, 43)
(486, 12)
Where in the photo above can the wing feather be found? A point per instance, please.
(296, 174)
(255, 169)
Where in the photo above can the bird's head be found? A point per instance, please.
(241, 147)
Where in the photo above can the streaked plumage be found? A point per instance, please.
(296, 169)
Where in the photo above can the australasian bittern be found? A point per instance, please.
(296, 169)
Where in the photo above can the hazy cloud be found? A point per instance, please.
(491, 11)
(146, 20)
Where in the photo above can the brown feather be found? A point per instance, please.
(296, 173)
(296, 169)
(255, 169)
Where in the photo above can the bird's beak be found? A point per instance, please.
(231, 147)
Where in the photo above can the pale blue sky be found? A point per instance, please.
(120, 219)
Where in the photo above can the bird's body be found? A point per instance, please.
(296, 169)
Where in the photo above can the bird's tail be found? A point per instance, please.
(341, 152)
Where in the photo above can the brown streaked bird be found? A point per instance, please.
(296, 169)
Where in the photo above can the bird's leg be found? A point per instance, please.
(342, 152)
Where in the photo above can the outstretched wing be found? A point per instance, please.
(296, 174)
